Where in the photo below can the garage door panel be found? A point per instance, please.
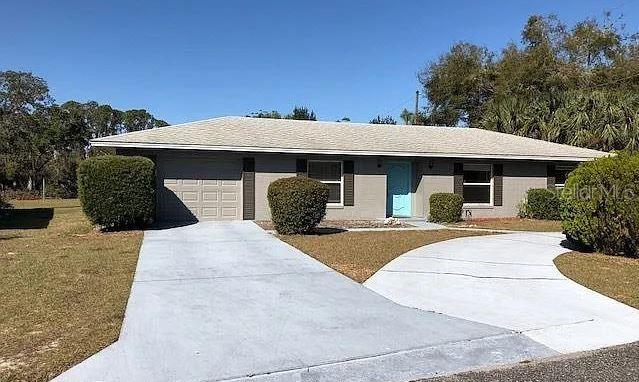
(210, 196)
(205, 189)
(229, 196)
(210, 182)
(190, 196)
(209, 212)
(229, 212)
(190, 182)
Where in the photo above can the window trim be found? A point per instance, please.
(491, 202)
(562, 168)
(340, 181)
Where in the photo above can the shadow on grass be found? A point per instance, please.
(26, 218)
(574, 246)
(320, 231)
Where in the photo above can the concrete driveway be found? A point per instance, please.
(508, 281)
(226, 301)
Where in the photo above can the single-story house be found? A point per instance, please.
(221, 168)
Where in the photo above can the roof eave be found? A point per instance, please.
(138, 145)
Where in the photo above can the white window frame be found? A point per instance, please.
(562, 168)
(481, 167)
(340, 181)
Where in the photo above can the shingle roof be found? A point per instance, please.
(292, 136)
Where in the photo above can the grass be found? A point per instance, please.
(359, 255)
(64, 288)
(514, 224)
(614, 276)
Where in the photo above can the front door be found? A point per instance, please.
(398, 189)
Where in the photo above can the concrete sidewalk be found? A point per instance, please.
(224, 301)
(508, 281)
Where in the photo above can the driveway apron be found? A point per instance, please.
(228, 301)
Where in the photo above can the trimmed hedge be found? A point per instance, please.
(541, 203)
(297, 204)
(117, 191)
(600, 205)
(445, 207)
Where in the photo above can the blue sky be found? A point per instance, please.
(188, 60)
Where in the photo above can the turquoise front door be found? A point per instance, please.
(398, 189)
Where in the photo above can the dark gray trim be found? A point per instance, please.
(458, 179)
(498, 184)
(301, 167)
(550, 176)
(248, 188)
(349, 183)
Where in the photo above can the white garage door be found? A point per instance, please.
(199, 188)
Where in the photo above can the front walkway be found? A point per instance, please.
(220, 301)
(508, 281)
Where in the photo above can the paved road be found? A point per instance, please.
(508, 281)
(222, 301)
(615, 364)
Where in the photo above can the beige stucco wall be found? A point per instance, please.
(437, 177)
(518, 177)
(370, 186)
(429, 176)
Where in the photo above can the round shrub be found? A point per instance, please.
(117, 191)
(445, 207)
(600, 205)
(541, 203)
(297, 204)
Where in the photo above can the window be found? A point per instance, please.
(329, 173)
(478, 185)
(561, 174)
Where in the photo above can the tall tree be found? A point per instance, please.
(140, 119)
(266, 114)
(386, 120)
(299, 112)
(574, 85)
(407, 117)
(23, 139)
(39, 138)
(457, 84)
(103, 119)
(302, 113)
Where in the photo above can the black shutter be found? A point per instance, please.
(550, 176)
(301, 167)
(248, 188)
(349, 183)
(498, 182)
(458, 179)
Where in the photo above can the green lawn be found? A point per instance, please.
(64, 288)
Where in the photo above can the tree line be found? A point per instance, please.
(304, 113)
(576, 85)
(40, 139)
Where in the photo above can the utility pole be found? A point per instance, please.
(416, 107)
